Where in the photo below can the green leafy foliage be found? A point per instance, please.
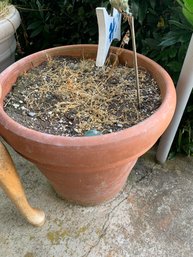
(163, 32)
(187, 9)
(50, 23)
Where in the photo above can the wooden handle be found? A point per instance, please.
(10, 182)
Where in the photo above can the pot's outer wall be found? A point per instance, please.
(87, 155)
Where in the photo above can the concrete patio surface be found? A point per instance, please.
(151, 217)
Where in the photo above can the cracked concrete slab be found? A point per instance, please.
(152, 216)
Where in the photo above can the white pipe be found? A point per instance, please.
(183, 90)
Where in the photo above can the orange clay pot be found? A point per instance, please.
(87, 170)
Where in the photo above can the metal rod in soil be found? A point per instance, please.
(131, 24)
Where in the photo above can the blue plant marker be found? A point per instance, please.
(92, 132)
(111, 30)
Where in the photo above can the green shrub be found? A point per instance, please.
(163, 33)
(51, 23)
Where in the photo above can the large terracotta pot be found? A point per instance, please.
(86, 170)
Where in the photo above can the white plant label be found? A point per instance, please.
(109, 27)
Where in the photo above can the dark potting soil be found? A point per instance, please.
(69, 97)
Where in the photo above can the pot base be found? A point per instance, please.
(89, 188)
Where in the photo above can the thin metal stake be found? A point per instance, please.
(131, 24)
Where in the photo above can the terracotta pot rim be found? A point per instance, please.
(124, 134)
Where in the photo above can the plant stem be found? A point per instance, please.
(131, 24)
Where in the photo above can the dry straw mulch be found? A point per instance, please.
(4, 10)
(66, 96)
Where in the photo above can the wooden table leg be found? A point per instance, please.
(10, 182)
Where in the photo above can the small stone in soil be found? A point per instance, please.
(15, 106)
(92, 132)
(31, 114)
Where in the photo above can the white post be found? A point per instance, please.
(183, 90)
(109, 29)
